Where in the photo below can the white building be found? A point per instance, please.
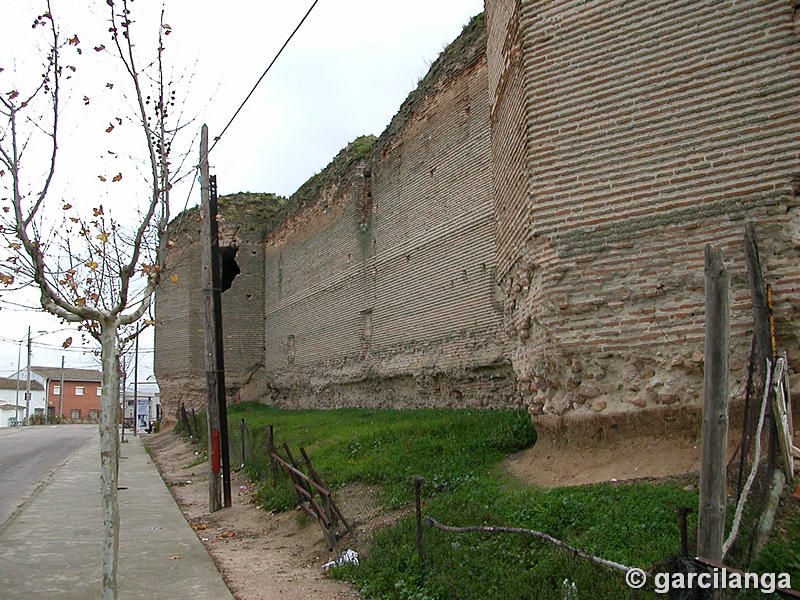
(147, 395)
(12, 402)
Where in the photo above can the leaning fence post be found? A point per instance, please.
(711, 513)
(196, 427)
(418, 505)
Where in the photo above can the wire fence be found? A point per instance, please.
(250, 448)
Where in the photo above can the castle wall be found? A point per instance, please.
(531, 225)
(384, 295)
(376, 285)
(650, 129)
(180, 322)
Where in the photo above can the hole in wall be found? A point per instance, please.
(229, 268)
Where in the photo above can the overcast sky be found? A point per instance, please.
(344, 74)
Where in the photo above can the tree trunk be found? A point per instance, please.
(109, 457)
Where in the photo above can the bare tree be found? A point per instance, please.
(90, 269)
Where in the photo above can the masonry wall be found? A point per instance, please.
(647, 130)
(376, 280)
(382, 293)
(180, 321)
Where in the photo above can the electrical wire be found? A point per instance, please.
(286, 43)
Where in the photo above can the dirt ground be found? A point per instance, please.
(263, 556)
(548, 466)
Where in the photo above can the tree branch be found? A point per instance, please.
(54, 135)
(556, 542)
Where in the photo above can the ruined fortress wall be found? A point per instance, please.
(651, 129)
(374, 285)
(179, 333)
(381, 293)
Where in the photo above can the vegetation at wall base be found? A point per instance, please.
(457, 453)
(380, 446)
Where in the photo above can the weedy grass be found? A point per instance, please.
(457, 453)
(386, 447)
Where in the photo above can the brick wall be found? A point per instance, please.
(382, 292)
(377, 287)
(650, 129)
(179, 338)
(541, 202)
(85, 402)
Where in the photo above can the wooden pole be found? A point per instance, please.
(219, 352)
(761, 330)
(28, 383)
(207, 262)
(242, 429)
(711, 518)
(136, 387)
(418, 510)
(61, 391)
(273, 467)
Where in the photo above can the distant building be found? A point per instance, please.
(80, 400)
(147, 394)
(12, 402)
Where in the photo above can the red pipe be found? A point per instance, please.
(215, 451)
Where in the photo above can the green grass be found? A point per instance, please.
(457, 453)
(386, 447)
(634, 524)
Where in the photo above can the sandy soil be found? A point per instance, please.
(263, 556)
(647, 457)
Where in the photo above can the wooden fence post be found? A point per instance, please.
(243, 429)
(273, 467)
(711, 517)
(418, 508)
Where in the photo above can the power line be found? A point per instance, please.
(286, 43)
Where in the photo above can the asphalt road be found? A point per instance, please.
(29, 454)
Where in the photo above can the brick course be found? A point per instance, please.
(650, 129)
(379, 289)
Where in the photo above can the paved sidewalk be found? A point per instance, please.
(51, 547)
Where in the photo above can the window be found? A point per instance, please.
(94, 413)
(38, 411)
(79, 390)
(99, 390)
(56, 389)
(76, 413)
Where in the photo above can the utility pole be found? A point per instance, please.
(214, 360)
(124, 384)
(61, 391)
(28, 384)
(19, 365)
(136, 387)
